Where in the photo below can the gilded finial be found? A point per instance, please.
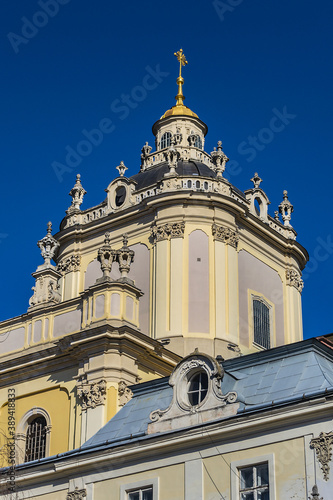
(180, 80)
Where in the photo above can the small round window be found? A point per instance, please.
(120, 196)
(197, 388)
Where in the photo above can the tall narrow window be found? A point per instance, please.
(166, 140)
(261, 324)
(254, 482)
(198, 142)
(35, 439)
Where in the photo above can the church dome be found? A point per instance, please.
(179, 110)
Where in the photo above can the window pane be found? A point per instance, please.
(261, 324)
(194, 383)
(135, 495)
(147, 494)
(263, 495)
(262, 474)
(247, 496)
(193, 398)
(204, 381)
(246, 478)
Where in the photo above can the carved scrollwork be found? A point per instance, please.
(124, 393)
(193, 363)
(167, 231)
(294, 279)
(157, 414)
(225, 235)
(70, 264)
(93, 394)
(76, 494)
(323, 447)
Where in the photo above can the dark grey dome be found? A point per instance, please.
(153, 175)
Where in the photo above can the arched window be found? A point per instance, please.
(166, 140)
(35, 444)
(33, 435)
(261, 324)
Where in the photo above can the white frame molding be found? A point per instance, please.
(144, 483)
(254, 295)
(250, 462)
(21, 432)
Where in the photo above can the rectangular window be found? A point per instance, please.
(141, 494)
(261, 324)
(254, 482)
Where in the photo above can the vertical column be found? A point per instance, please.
(232, 293)
(161, 291)
(220, 289)
(294, 287)
(194, 480)
(176, 286)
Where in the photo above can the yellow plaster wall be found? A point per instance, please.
(56, 403)
(289, 468)
(171, 483)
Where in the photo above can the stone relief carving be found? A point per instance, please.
(92, 395)
(124, 393)
(225, 235)
(294, 279)
(323, 447)
(167, 231)
(76, 494)
(69, 264)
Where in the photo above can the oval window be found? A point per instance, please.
(120, 195)
(197, 388)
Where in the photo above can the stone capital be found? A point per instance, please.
(226, 235)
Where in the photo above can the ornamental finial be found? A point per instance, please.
(121, 169)
(48, 245)
(286, 209)
(77, 193)
(180, 80)
(256, 180)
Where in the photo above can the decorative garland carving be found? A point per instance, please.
(92, 395)
(76, 494)
(70, 264)
(167, 231)
(124, 393)
(225, 235)
(323, 447)
(294, 279)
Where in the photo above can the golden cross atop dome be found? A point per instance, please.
(182, 60)
(180, 80)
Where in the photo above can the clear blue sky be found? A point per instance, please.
(246, 59)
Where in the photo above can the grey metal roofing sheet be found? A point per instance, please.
(258, 380)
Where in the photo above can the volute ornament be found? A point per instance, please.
(323, 447)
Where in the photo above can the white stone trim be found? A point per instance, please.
(248, 462)
(21, 432)
(145, 483)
